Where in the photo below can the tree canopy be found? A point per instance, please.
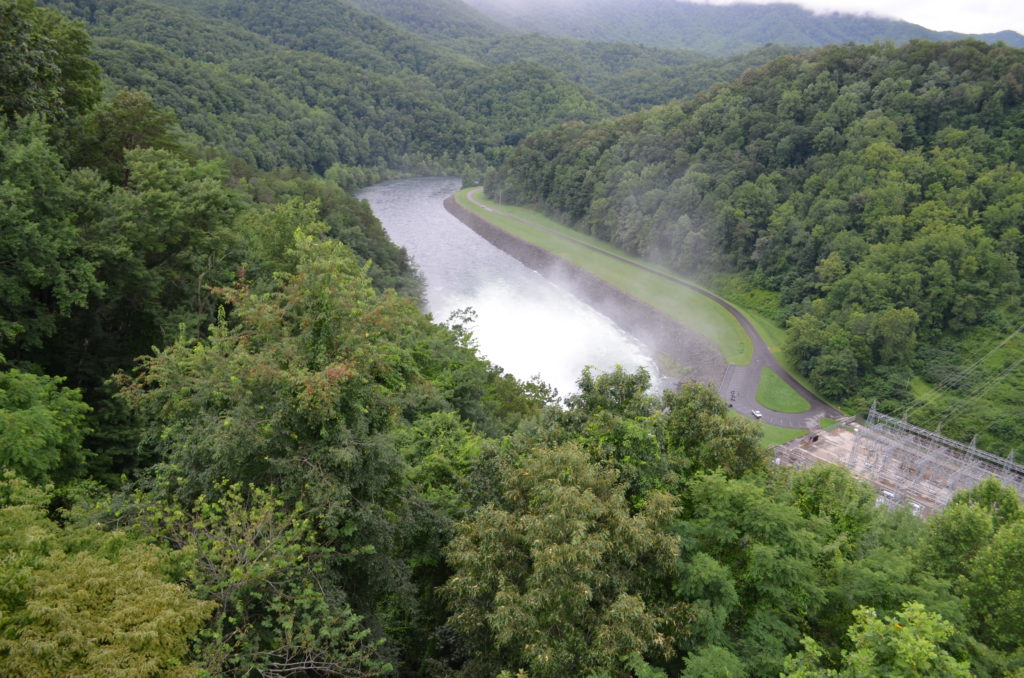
(232, 444)
(864, 191)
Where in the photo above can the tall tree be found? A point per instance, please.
(42, 427)
(44, 63)
(908, 645)
(77, 601)
(275, 614)
(560, 577)
(44, 271)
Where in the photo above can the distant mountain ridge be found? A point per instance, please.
(436, 18)
(314, 83)
(713, 29)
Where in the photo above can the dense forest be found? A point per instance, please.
(322, 86)
(867, 196)
(318, 84)
(231, 444)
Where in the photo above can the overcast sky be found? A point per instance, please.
(963, 16)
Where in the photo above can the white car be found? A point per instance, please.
(756, 413)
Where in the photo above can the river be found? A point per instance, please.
(524, 323)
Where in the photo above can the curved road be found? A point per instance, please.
(739, 384)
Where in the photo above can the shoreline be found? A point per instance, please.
(657, 331)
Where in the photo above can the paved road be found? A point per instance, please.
(739, 384)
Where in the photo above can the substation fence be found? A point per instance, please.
(908, 465)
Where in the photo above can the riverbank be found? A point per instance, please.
(658, 331)
(521, 321)
(655, 286)
(739, 383)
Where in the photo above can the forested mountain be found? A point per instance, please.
(709, 28)
(588, 62)
(627, 76)
(229, 446)
(460, 28)
(643, 88)
(875, 191)
(323, 84)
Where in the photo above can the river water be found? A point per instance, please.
(524, 323)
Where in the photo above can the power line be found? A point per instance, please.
(981, 389)
(958, 378)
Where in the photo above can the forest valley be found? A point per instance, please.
(233, 445)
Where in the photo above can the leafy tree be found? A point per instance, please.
(893, 336)
(701, 436)
(440, 452)
(347, 219)
(316, 368)
(129, 120)
(954, 538)
(611, 416)
(44, 272)
(882, 568)
(275, 614)
(157, 246)
(618, 392)
(906, 645)
(996, 588)
(835, 374)
(833, 493)
(966, 527)
(77, 601)
(713, 662)
(656, 442)
(747, 566)
(1002, 502)
(42, 426)
(44, 64)
(560, 578)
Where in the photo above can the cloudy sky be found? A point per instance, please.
(964, 16)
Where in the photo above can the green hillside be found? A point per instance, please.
(232, 445)
(435, 19)
(873, 192)
(323, 84)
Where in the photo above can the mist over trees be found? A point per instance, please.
(231, 444)
(325, 85)
(720, 29)
(868, 189)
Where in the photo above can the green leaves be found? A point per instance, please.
(78, 601)
(42, 426)
(701, 436)
(44, 64)
(907, 645)
(768, 550)
(276, 613)
(996, 588)
(560, 578)
(44, 272)
(129, 120)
